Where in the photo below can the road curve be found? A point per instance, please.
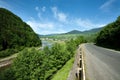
(101, 63)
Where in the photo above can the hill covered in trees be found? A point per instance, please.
(15, 34)
(95, 30)
(109, 36)
(74, 32)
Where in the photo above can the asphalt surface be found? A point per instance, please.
(101, 63)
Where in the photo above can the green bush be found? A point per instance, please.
(7, 52)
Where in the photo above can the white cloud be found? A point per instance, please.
(107, 4)
(43, 8)
(49, 26)
(45, 27)
(87, 24)
(59, 31)
(37, 8)
(54, 10)
(60, 16)
(39, 13)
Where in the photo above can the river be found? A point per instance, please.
(46, 43)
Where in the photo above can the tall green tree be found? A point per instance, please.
(110, 35)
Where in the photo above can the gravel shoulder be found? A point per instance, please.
(7, 61)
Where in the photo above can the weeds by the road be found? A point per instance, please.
(62, 74)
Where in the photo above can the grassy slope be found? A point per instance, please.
(62, 74)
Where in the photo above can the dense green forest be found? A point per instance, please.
(15, 34)
(41, 64)
(109, 36)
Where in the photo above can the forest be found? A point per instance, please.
(15, 34)
(109, 36)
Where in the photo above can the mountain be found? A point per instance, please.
(95, 30)
(14, 33)
(91, 31)
(74, 32)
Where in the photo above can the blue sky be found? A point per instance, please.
(59, 16)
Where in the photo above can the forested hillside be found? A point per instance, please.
(91, 31)
(110, 35)
(15, 34)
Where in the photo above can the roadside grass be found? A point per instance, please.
(63, 73)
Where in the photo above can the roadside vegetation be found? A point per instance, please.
(63, 73)
(109, 36)
(41, 64)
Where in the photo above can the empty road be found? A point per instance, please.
(101, 63)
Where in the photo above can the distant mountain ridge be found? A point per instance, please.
(74, 32)
(95, 30)
(91, 31)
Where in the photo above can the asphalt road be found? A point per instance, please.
(101, 63)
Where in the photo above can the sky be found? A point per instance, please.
(61, 16)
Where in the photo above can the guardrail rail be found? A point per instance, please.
(78, 70)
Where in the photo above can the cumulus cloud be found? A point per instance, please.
(49, 26)
(56, 27)
(40, 11)
(60, 16)
(45, 27)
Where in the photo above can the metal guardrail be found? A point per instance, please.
(78, 71)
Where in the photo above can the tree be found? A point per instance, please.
(109, 36)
